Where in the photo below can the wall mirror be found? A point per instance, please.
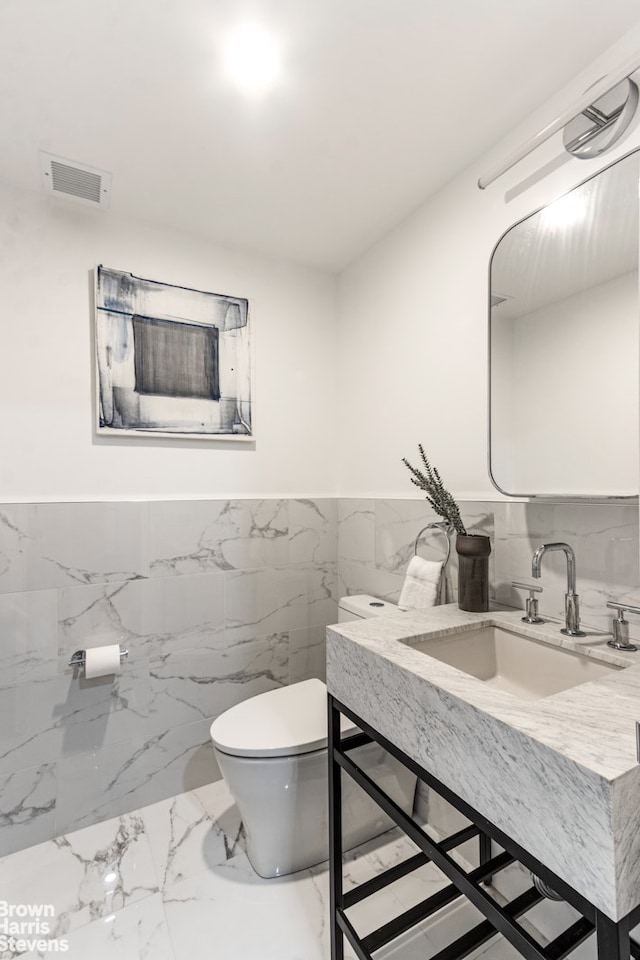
(564, 345)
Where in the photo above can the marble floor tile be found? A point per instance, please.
(135, 932)
(499, 949)
(282, 919)
(371, 913)
(172, 882)
(192, 833)
(83, 875)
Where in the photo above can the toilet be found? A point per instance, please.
(272, 752)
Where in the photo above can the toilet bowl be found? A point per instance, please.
(272, 752)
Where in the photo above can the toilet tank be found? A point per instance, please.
(361, 606)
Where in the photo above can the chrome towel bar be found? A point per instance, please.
(441, 527)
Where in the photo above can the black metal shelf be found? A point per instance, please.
(614, 942)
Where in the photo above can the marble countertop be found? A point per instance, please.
(558, 774)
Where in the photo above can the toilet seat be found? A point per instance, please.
(285, 722)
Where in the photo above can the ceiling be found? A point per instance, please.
(379, 103)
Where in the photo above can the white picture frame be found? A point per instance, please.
(171, 361)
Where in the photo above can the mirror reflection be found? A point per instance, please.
(564, 344)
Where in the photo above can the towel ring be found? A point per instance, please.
(442, 527)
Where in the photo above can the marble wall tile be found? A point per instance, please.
(28, 631)
(205, 596)
(310, 595)
(202, 536)
(91, 714)
(27, 808)
(272, 600)
(130, 774)
(57, 716)
(255, 603)
(604, 537)
(15, 546)
(394, 525)
(193, 685)
(67, 715)
(149, 617)
(30, 724)
(313, 531)
(421, 804)
(47, 545)
(397, 523)
(354, 578)
(356, 530)
(307, 654)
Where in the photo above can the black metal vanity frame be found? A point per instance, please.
(613, 940)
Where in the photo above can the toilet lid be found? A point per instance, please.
(281, 723)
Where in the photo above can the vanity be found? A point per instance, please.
(530, 734)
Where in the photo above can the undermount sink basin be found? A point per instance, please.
(520, 665)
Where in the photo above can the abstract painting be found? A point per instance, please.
(171, 361)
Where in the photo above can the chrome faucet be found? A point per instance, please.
(571, 600)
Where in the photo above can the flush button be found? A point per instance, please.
(376, 603)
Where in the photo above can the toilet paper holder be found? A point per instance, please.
(79, 658)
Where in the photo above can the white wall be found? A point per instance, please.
(412, 352)
(48, 248)
(413, 317)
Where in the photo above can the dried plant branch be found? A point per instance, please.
(437, 495)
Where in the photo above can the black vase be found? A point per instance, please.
(473, 572)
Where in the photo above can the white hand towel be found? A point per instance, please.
(421, 583)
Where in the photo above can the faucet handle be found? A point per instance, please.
(531, 603)
(531, 587)
(620, 626)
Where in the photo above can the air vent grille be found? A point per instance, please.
(75, 181)
(498, 298)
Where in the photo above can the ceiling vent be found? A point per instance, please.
(75, 181)
(498, 298)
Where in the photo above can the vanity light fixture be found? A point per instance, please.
(252, 58)
(602, 124)
(590, 106)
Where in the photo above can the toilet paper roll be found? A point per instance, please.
(102, 661)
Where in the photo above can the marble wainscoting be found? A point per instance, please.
(216, 601)
(376, 542)
(604, 537)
